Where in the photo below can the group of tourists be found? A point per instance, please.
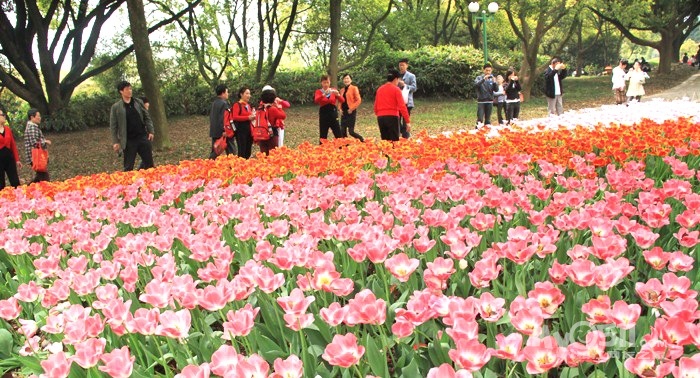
(503, 93)
(693, 60)
(10, 162)
(235, 128)
(636, 76)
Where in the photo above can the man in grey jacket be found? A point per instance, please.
(407, 80)
(132, 128)
(485, 88)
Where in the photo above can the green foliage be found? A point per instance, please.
(446, 71)
(84, 111)
(16, 111)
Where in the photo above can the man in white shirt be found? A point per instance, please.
(553, 75)
(618, 82)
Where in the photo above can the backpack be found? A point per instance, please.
(229, 127)
(261, 129)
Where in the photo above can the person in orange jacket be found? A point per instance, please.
(351, 95)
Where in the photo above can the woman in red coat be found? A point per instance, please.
(9, 155)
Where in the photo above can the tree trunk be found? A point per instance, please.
(335, 10)
(665, 55)
(528, 72)
(147, 72)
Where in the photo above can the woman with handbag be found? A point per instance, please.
(33, 137)
(9, 156)
(328, 98)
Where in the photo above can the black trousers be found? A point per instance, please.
(230, 147)
(404, 133)
(244, 140)
(347, 125)
(501, 107)
(41, 176)
(8, 166)
(512, 110)
(142, 147)
(483, 112)
(389, 127)
(328, 119)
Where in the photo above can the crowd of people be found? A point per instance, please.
(234, 128)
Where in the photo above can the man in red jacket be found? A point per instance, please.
(388, 104)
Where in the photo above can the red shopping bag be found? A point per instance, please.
(40, 158)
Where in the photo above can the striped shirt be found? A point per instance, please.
(32, 135)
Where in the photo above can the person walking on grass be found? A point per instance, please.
(485, 88)
(637, 77)
(388, 105)
(553, 90)
(132, 128)
(512, 88)
(328, 99)
(618, 82)
(352, 100)
(407, 82)
(216, 121)
(32, 136)
(9, 155)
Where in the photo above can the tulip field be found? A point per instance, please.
(561, 247)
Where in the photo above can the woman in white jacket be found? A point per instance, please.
(636, 77)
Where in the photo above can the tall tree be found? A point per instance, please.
(147, 71)
(531, 22)
(215, 36)
(673, 20)
(335, 9)
(65, 33)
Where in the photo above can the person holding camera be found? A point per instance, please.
(553, 90)
(512, 96)
(485, 88)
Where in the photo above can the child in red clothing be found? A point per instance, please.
(328, 98)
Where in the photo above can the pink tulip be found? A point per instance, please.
(118, 363)
(56, 366)
(290, 368)
(343, 351)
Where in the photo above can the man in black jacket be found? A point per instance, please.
(216, 120)
(485, 87)
(553, 76)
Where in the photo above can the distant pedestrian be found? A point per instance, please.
(553, 90)
(408, 83)
(485, 88)
(685, 58)
(243, 114)
(618, 81)
(351, 95)
(499, 99)
(132, 128)
(328, 99)
(697, 57)
(512, 96)
(388, 105)
(637, 77)
(9, 156)
(216, 121)
(32, 136)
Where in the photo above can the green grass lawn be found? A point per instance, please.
(88, 152)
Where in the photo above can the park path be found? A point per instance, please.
(688, 89)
